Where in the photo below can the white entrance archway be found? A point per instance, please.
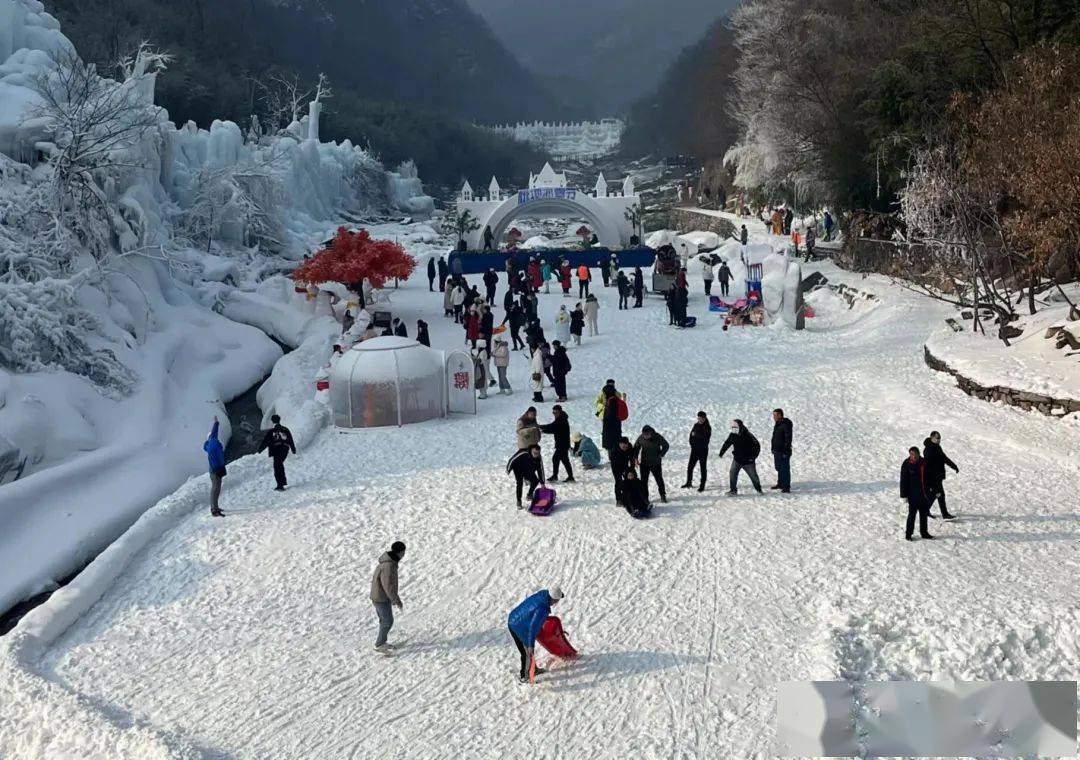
(548, 197)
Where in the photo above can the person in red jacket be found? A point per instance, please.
(472, 327)
(564, 278)
(535, 280)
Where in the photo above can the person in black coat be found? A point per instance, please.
(724, 275)
(781, 450)
(399, 328)
(577, 324)
(639, 287)
(279, 441)
(914, 487)
(745, 450)
(560, 368)
(610, 422)
(422, 333)
(526, 466)
(559, 430)
(650, 450)
(634, 496)
(936, 460)
(623, 284)
(621, 458)
(431, 275)
(487, 326)
(516, 317)
(682, 298)
(443, 272)
(534, 335)
(743, 235)
(491, 280)
(700, 435)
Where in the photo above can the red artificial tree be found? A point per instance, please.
(354, 257)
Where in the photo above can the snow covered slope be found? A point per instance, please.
(128, 318)
(251, 636)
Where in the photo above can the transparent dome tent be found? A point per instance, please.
(387, 381)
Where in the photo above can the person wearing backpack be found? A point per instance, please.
(745, 450)
(215, 456)
(583, 280)
(612, 418)
(279, 441)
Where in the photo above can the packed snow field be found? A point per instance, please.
(252, 636)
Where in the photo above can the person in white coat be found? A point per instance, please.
(562, 326)
(592, 308)
(457, 299)
(536, 374)
(707, 273)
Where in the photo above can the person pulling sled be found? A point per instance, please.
(525, 622)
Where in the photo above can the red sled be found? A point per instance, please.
(553, 639)
(623, 410)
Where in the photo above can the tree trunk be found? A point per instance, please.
(1032, 284)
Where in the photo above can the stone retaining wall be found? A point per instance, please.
(682, 219)
(1053, 407)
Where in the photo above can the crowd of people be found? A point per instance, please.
(636, 463)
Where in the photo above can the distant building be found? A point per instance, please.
(568, 140)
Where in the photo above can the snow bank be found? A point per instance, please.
(204, 218)
(1032, 363)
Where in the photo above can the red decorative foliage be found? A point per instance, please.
(353, 257)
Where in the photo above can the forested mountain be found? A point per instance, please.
(601, 55)
(404, 72)
(689, 111)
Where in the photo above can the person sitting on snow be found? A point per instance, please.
(635, 498)
(525, 622)
(586, 450)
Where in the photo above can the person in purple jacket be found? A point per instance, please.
(525, 622)
(215, 455)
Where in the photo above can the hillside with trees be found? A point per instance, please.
(235, 58)
(689, 112)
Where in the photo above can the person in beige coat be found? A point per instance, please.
(384, 593)
(528, 429)
(592, 307)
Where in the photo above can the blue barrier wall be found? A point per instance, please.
(476, 262)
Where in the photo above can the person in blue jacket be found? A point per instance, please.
(525, 622)
(215, 455)
(586, 450)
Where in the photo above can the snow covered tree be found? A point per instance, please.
(246, 198)
(355, 257)
(97, 126)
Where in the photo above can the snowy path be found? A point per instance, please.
(251, 637)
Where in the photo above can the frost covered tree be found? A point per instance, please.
(244, 201)
(97, 126)
(61, 228)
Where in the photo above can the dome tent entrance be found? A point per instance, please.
(387, 381)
